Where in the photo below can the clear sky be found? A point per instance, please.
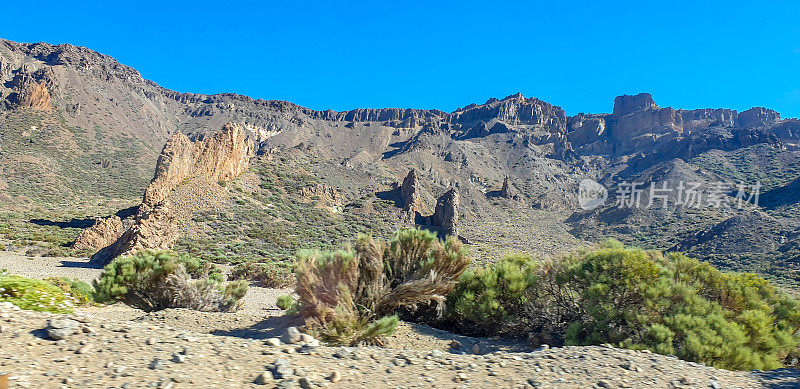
(442, 54)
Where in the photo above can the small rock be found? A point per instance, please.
(178, 358)
(282, 369)
(84, 349)
(58, 329)
(543, 347)
(603, 384)
(714, 384)
(305, 383)
(286, 384)
(274, 342)
(455, 345)
(342, 353)
(305, 338)
(262, 379)
(335, 377)
(476, 349)
(292, 336)
(157, 364)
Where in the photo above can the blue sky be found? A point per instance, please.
(441, 54)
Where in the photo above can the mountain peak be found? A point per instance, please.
(626, 104)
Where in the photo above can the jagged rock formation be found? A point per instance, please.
(326, 196)
(505, 191)
(222, 156)
(103, 233)
(445, 218)
(409, 193)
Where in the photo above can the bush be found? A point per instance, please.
(285, 302)
(269, 275)
(670, 304)
(353, 296)
(34, 295)
(81, 291)
(154, 280)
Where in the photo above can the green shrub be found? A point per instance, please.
(270, 275)
(667, 303)
(81, 291)
(285, 302)
(154, 280)
(352, 296)
(34, 295)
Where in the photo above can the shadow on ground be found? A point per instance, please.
(81, 264)
(780, 378)
(74, 223)
(271, 327)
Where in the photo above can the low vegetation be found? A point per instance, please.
(82, 292)
(353, 296)
(667, 303)
(154, 280)
(35, 295)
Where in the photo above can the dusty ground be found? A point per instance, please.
(117, 346)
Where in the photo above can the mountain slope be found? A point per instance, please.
(80, 135)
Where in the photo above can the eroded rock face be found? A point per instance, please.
(326, 195)
(409, 192)
(445, 218)
(758, 117)
(34, 95)
(103, 233)
(627, 104)
(221, 156)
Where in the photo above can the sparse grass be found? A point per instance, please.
(36, 295)
(261, 231)
(82, 292)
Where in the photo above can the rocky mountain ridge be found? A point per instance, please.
(76, 125)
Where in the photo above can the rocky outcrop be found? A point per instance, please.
(221, 156)
(325, 195)
(638, 126)
(34, 95)
(505, 191)
(445, 218)
(627, 104)
(514, 113)
(758, 117)
(409, 193)
(102, 234)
